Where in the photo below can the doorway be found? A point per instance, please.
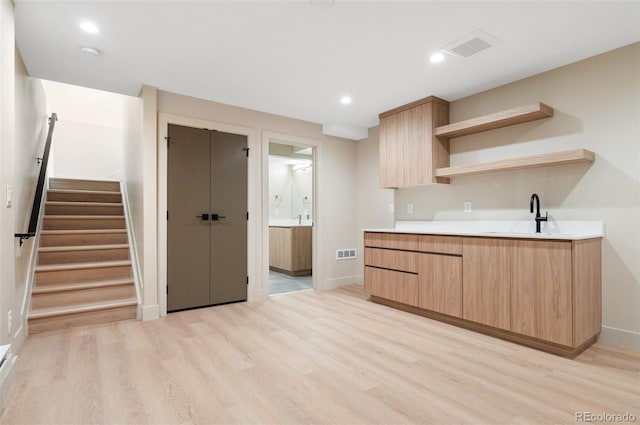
(206, 217)
(291, 215)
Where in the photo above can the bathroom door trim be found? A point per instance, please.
(318, 222)
(254, 225)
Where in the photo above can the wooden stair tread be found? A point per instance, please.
(76, 286)
(82, 231)
(83, 191)
(82, 217)
(75, 266)
(85, 203)
(60, 311)
(82, 248)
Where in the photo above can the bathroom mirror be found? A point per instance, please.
(290, 184)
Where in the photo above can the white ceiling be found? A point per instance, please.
(298, 58)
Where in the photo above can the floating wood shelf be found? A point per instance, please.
(501, 119)
(575, 156)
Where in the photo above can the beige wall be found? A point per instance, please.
(22, 122)
(597, 106)
(140, 178)
(372, 201)
(84, 150)
(30, 136)
(337, 172)
(7, 131)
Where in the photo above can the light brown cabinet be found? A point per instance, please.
(290, 249)
(542, 293)
(440, 283)
(425, 273)
(410, 152)
(541, 290)
(487, 281)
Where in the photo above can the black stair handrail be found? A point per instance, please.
(37, 200)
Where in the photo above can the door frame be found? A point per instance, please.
(254, 259)
(317, 239)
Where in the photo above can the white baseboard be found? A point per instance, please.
(339, 281)
(620, 337)
(7, 378)
(150, 312)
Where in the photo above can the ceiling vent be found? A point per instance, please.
(470, 44)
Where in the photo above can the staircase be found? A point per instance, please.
(84, 271)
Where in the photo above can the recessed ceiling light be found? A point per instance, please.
(437, 57)
(90, 27)
(90, 51)
(345, 100)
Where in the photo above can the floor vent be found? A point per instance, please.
(470, 44)
(346, 254)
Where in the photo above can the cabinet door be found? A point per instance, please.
(280, 247)
(440, 283)
(541, 290)
(392, 285)
(486, 282)
(417, 169)
(301, 248)
(391, 151)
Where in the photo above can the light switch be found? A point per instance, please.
(409, 208)
(9, 196)
(391, 209)
(467, 206)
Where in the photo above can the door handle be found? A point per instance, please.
(216, 217)
(203, 217)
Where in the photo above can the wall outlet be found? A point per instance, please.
(409, 208)
(346, 254)
(9, 320)
(391, 209)
(467, 206)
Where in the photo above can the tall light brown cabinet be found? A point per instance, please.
(410, 152)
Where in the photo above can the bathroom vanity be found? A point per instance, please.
(537, 289)
(290, 249)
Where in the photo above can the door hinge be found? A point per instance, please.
(247, 215)
(167, 289)
(168, 139)
(247, 280)
(246, 150)
(167, 215)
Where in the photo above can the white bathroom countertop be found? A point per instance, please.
(562, 230)
(290, 223)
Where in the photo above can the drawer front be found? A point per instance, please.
(390, 259)
(391, 240)
(392, 285)
(440, 244)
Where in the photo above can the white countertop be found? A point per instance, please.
(290, 223)
(563, 230)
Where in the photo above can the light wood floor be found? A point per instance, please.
(309, 357)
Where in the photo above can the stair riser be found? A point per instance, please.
(83, 296)
(91, 256)
(82, 223)
(81, 319)
(84, 197)
(66, 184)
(81, 275)
(84, 209)
(83, 239)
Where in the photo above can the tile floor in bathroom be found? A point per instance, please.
(280, 283)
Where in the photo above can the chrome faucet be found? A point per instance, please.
(538, 219)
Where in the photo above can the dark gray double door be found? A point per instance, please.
(207, 218)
